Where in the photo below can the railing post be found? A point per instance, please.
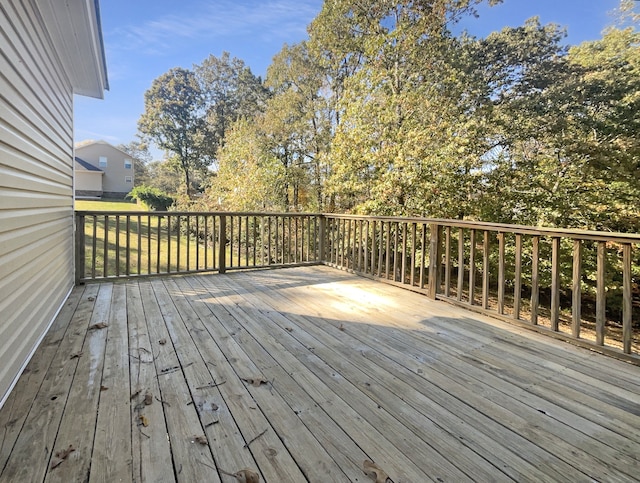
(80, 253)
(435, 255)
(222, 248)
(322, 242)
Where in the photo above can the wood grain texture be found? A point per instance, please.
(343, 369)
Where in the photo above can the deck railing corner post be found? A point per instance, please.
(435, 259)
(322, 255)
(79, 249)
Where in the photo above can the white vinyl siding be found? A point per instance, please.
(36, 202)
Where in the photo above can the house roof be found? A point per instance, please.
(75, 30)
(90, 142)
(82, 164)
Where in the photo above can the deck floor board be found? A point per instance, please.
(351, 369)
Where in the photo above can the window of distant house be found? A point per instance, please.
(102, 163)
(127, 179)
(127, 164)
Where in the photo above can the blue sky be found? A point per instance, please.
(145, 38)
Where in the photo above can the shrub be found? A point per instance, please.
(153, 198)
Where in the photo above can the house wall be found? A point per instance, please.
(113, 180)
(36, 198)
(88, 183)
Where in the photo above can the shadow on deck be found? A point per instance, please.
(301, 375)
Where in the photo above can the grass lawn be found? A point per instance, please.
(108, 205)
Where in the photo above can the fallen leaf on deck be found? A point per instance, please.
(341, 327)
(61, 456)
(104, 388)
(162, 341)
(75, 355)
(373, 470)
(100, 325)
(148, 399)
(91, 299)
(254, 381)
(143, 420)
(247, 476)
(200, 440)
(136, 393)
(289, 329)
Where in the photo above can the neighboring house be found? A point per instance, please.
(51, 50)
(116, 165)
(88, 179)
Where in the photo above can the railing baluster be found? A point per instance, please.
(388, 249)
(447, 261)
(188, 249)
(535, 279)
(517, 288)
(460, 286)
(94, 253)
(423, 251)
(555, 283)
(178, 242)
(472, 266)
(168, 243)
(627, 299)
(158, 247)
(413, 253)
(222, 247)
(576, 315)
(485, 270)
(601, 301)
(117, 254)
(403, 277)
(139, 230)
(127, 253)
(501, 274)
(435, 259)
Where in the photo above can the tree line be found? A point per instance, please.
(388, 109)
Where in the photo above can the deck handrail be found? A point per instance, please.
(577, 285)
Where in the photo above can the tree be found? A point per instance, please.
(230, 92)
(175, 119)
(402, 117)
(297, 124)
(249, 177)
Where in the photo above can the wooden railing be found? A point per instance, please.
(576, 285)
(128, 244)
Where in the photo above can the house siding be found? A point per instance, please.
(36, 186)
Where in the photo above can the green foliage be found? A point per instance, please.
(151, 197)
(249, 177)
(175, 119)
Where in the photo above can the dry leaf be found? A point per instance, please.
(341, 327)
(373, 470)
(254, 381)
(247, 476)
(91, 299)
(75, 355)
(162, 341)
(143, 420)
(200, 440)
(100, 325)
(289, 329)
(136, 393)
(148, 399)
(61, 456)
(104, 388)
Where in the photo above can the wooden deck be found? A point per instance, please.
(301, 374)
